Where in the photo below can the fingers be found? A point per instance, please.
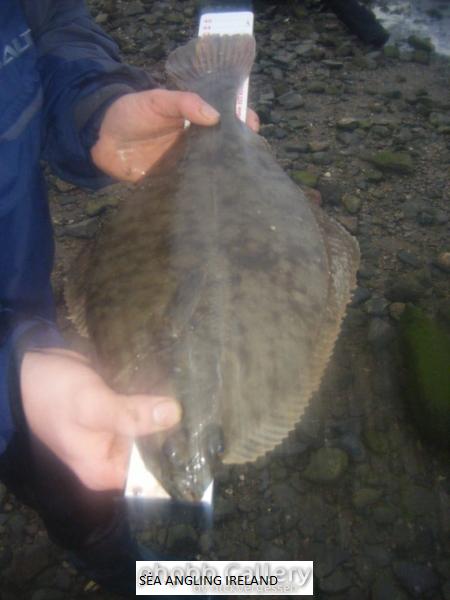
(182, 105)
(101, 409)
(190, 106)
(252, 120)
(141, 415)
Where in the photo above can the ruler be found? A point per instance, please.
(230, 23)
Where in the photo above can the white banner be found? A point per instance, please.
(220, 578)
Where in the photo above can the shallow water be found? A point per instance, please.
(405, 17)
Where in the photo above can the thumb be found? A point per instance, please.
(182, 105)
(141, 415)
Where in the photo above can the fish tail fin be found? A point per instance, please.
(228, 58)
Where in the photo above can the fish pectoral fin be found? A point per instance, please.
(184, 301)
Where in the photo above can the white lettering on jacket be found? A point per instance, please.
(15, 48)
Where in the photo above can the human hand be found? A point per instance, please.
(139, 128)
(79, 418)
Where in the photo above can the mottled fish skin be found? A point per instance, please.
(217, 281)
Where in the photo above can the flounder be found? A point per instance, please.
(218, 282)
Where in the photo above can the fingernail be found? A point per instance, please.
(209, 112)
(166, 413)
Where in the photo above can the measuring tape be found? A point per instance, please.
(230, 23)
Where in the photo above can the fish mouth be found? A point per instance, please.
(190, 460)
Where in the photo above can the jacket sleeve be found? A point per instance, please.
(16, 337)
(82, 75)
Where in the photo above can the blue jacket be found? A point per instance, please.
(58, 74)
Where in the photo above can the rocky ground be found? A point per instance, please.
(367, 133)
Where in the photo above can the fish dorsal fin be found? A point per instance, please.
(228, 58)
(252, 438)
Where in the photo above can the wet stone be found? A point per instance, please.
(300, 147)
(380, 556)
(181, 535)
(339, 581)
(284, 495)
(316, 87)
(274, 552)
(155, 50)
(16, 526)
(331, 191)
(350, 223)
(102, 18)
(291, 100)
(326, 465)
(348, 123)
(3, 492)
(393, 162)
(384, 515)
(224, 507)
(418, 500)
(366, 497)
(442, 261)
(31, 561)
(421, 57)
(269, 526)
(376, 441)
(318, 146)
(48, 594)
(305, 178)
(406, 288)
(396, 309)
(417, 579)
(446, 590)
(67, 200)
(391, 52)
(246, 504)
(321, 158)
(63, 186)
(365, 272)
(401, 532)
(96, 206)
(386, 588)
(351, 443)
(315, 514)
(408, 258)
(380, 334)
(420, 43)
(351, 203)
(85, 229)
(6, 557)
(376, 306)
(360, 295)
(327, 557)
(133, 8)
(334, 65)
(443, 567)
(426, 217)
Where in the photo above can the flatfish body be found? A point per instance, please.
(218, 282)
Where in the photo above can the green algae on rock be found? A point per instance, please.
(426, 358)
(393, 162)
